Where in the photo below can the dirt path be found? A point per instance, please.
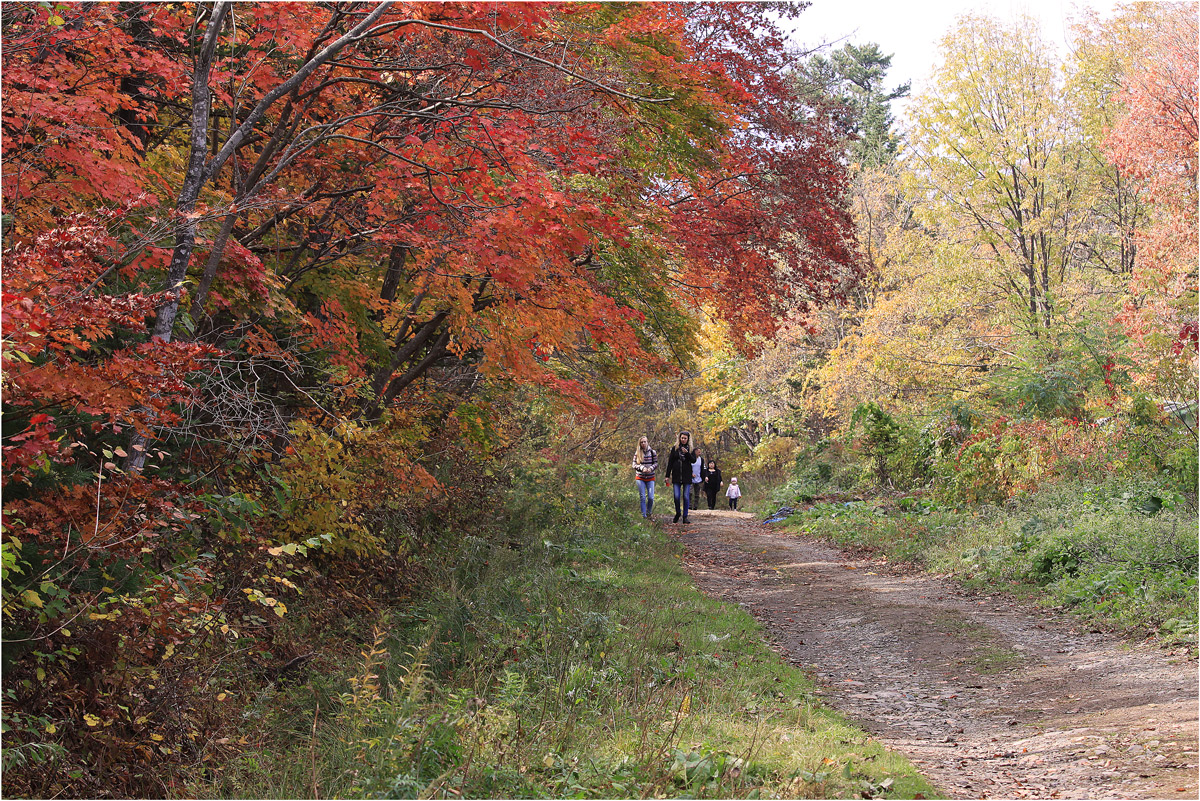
(988, 698)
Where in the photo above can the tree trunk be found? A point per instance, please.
(199, 172)
(210, 269)
(397, 258)
(195, 177)
(185, 205)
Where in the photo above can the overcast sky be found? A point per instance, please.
(911, 30)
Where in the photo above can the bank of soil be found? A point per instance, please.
(987, 697)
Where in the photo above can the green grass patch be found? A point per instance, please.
(564, 654)
(1121, 554)
(995, 659)
(901, 532)
(986, 656)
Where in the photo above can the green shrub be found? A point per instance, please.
(1116, 552)
(1055, 559)
(1123, 552)
(880, 437)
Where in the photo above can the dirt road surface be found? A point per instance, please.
(990, 699)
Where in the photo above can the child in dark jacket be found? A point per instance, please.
(712, 484)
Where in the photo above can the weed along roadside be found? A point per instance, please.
(563, 651)
(988, 694)
(1114, 553)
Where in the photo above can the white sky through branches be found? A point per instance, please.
(911, 31)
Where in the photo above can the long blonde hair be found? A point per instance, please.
(639, 455)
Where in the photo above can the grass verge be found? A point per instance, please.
(563, 654)
(1122, 555)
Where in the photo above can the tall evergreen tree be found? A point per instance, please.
(853, 79)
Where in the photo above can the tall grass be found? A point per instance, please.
(562, 651)
(1121, 553)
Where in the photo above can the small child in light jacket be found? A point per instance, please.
(733, 493)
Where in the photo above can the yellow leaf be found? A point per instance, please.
(32, 598)
(57, 21)
(91, 720)
(51, 728)
(156, 737)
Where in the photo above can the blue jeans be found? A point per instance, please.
(646, 494)
(687, 498)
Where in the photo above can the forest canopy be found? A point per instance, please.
(288, 286)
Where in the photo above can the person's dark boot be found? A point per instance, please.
(676, 520)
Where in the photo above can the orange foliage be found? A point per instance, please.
(1156, 142)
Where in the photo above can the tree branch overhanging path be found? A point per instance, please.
(201, 170)
(419, 112)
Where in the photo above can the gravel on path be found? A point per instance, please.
(988, 697)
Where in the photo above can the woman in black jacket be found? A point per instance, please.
(679, 473)
(712, 484)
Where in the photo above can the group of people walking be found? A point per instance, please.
(687, 473)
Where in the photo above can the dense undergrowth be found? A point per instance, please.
(1088, 548)
(561, 651)
(1101, 522)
